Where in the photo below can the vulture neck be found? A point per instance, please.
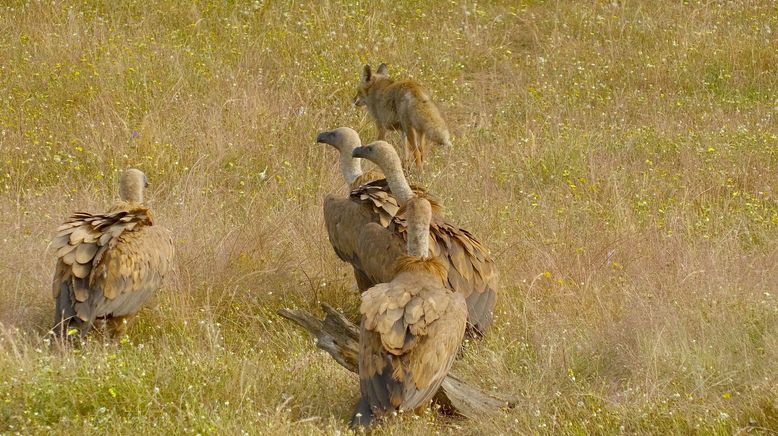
(350, 167)
(418, 239)
(397, 184)
(131, 190)
(418, 215)
(418, 260)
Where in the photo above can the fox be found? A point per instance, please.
(402, 105)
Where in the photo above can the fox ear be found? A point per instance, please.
(383, 69)
(366, 73)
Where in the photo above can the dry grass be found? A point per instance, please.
(620, 159)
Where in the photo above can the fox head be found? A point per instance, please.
(367, 80)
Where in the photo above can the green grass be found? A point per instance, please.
(619, 158)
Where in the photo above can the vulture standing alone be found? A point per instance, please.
(471, 270)
(109, 264)
(411, 328)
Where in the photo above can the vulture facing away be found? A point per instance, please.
(411, 329)
(471, 270)
(108, 264)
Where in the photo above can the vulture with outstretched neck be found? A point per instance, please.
(345, 215)
(411, 328)
(471, 270)
(109, 264)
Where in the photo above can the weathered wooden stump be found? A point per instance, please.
(339, 337)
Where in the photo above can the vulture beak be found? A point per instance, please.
(360, 152)
(145, 181)
(324, 137)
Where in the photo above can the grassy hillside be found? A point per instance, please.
(619, 158)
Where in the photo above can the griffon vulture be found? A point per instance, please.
(108, 264)
(345, 215)
(411, 327)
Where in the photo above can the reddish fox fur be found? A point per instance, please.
(402, 105)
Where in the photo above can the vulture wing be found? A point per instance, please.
(411, 331)
(108, 264)
(378, 250)
(383, 203)
(471, 270)
(343, 219)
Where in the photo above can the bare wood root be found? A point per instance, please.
(335, 334)
(339, 337)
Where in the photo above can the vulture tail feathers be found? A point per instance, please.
(65, 316)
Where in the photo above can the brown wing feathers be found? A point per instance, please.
(81, 244)
(82, 240)
(384, 204)
(410, 334)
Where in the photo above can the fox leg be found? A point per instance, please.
(381, 132)
(411, 147)
(421, 141)
(414, 145)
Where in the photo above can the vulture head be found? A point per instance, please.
(384, 155)
(343, 139)
(380, 153)
(132, 183)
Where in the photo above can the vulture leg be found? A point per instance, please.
(117, 325)
(363, 415)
